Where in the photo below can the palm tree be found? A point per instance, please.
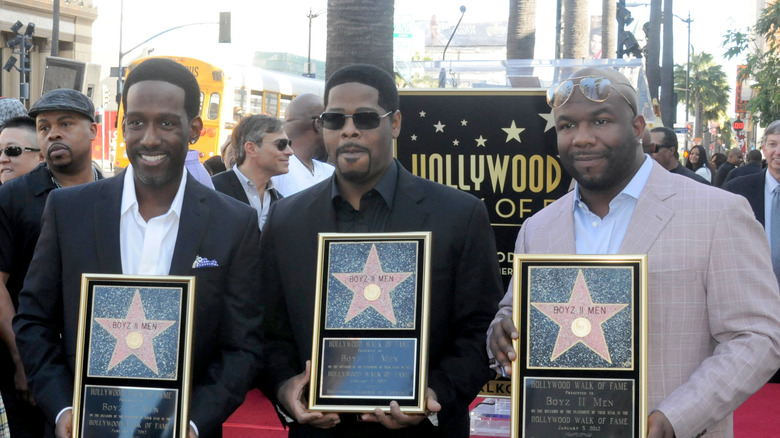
(521, 29)
(667, 67)
(608, 29)
(359, 31)
(575, 29)
(709, 89)
(653, 49)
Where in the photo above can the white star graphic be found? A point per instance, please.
(414, 137)
(513, 132)
(464, 122)
(550, 121)
(480, 141)
(422, 113)
(439, 127)
(455, 142)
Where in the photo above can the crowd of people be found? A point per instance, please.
(255, 213)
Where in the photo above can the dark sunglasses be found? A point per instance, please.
(593, 88)
(282, 143)
(15, 151)
(366, 120)
(657, 147)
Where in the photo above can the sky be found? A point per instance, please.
(273, 26)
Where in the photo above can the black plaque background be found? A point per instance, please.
(487, 113)
(415, 333)
(589, 374)
(116, 382)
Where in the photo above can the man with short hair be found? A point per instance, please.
(664, 151)
(19, 151)
(264, 152)
(300, 124)
(371, 192)
(734, 158)
(753, 165)
(66, 127)
(153, 219)
(705, 354)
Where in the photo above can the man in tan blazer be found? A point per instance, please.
(713, 303)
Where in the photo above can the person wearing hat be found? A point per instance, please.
(65, 125)
(19, 151)
(10, 108)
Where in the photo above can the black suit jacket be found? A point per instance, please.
(80, 234)
(752, 188)
(465, 289)
(229, 184)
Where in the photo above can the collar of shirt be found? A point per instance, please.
(769, 187)
(385, 187)
(129, 199)
(594, 235)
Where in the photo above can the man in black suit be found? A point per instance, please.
(753, 165)
(664, 151)
(264, 151)
(372, 192)
(734, 159)
(154, 219)
(760, 189)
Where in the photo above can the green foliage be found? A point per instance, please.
(762, 64)
(708, 84)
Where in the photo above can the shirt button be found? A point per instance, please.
(595, 224)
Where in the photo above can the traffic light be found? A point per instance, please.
(689, 127)
(224, 27)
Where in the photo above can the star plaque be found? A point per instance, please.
(582, 348)
(371, 322)
(133, 355)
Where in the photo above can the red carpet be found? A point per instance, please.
(758, 417)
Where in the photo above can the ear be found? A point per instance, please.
(93, 130)
(396, 123)
(639, 125)
(196, 125)
(249, 148)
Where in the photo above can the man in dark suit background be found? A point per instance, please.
(262, 150)
(154, 219)
(664, 151)
(753, 165)
(371, 192)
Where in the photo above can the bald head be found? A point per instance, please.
(299, 126)
(618, 81)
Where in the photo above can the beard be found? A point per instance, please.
(619, 165)
(354, 175)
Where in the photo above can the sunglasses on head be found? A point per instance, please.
(282, 143)
(15, 151)
(593, 88)
(363, 120)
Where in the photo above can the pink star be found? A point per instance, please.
(580, 320)
(134, 335)
(371, 288)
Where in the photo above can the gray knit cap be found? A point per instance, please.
(64, 99)
(10, 108)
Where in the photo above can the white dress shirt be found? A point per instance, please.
(769, 188)
(300, 177)
(147, 247)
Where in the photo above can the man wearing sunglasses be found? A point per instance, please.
(371, 192)
(664, 151)
(19, 151)
(263, 150)
(64, 120)
(713, 303)
(301, 124)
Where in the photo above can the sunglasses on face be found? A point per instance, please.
(657, 147)
(15, 151)
(282, 143)
(594, 89)
(364, 120)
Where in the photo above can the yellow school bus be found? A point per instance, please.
(226, 95)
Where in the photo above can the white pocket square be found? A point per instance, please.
(203, 262)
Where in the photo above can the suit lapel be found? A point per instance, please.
(107, 215)
(651, 214)
(406, 214)
(192, 226)
(237, 188)
(561, 237)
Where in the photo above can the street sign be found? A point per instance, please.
(682, 130)
(738, 125)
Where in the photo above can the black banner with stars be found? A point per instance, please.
(499, 145)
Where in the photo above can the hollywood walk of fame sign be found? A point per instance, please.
(133, 356)
(371, 322)
(582, 367)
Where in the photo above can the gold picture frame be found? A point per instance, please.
(133, 356)
(582, 365)
(370, 340)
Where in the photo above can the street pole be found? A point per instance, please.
(120, 79)
(311, 16)
(687, 21)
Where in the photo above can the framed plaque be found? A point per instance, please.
(370, 338)
(582, 364)
(133, 356)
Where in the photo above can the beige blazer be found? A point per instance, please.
(714, 305)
